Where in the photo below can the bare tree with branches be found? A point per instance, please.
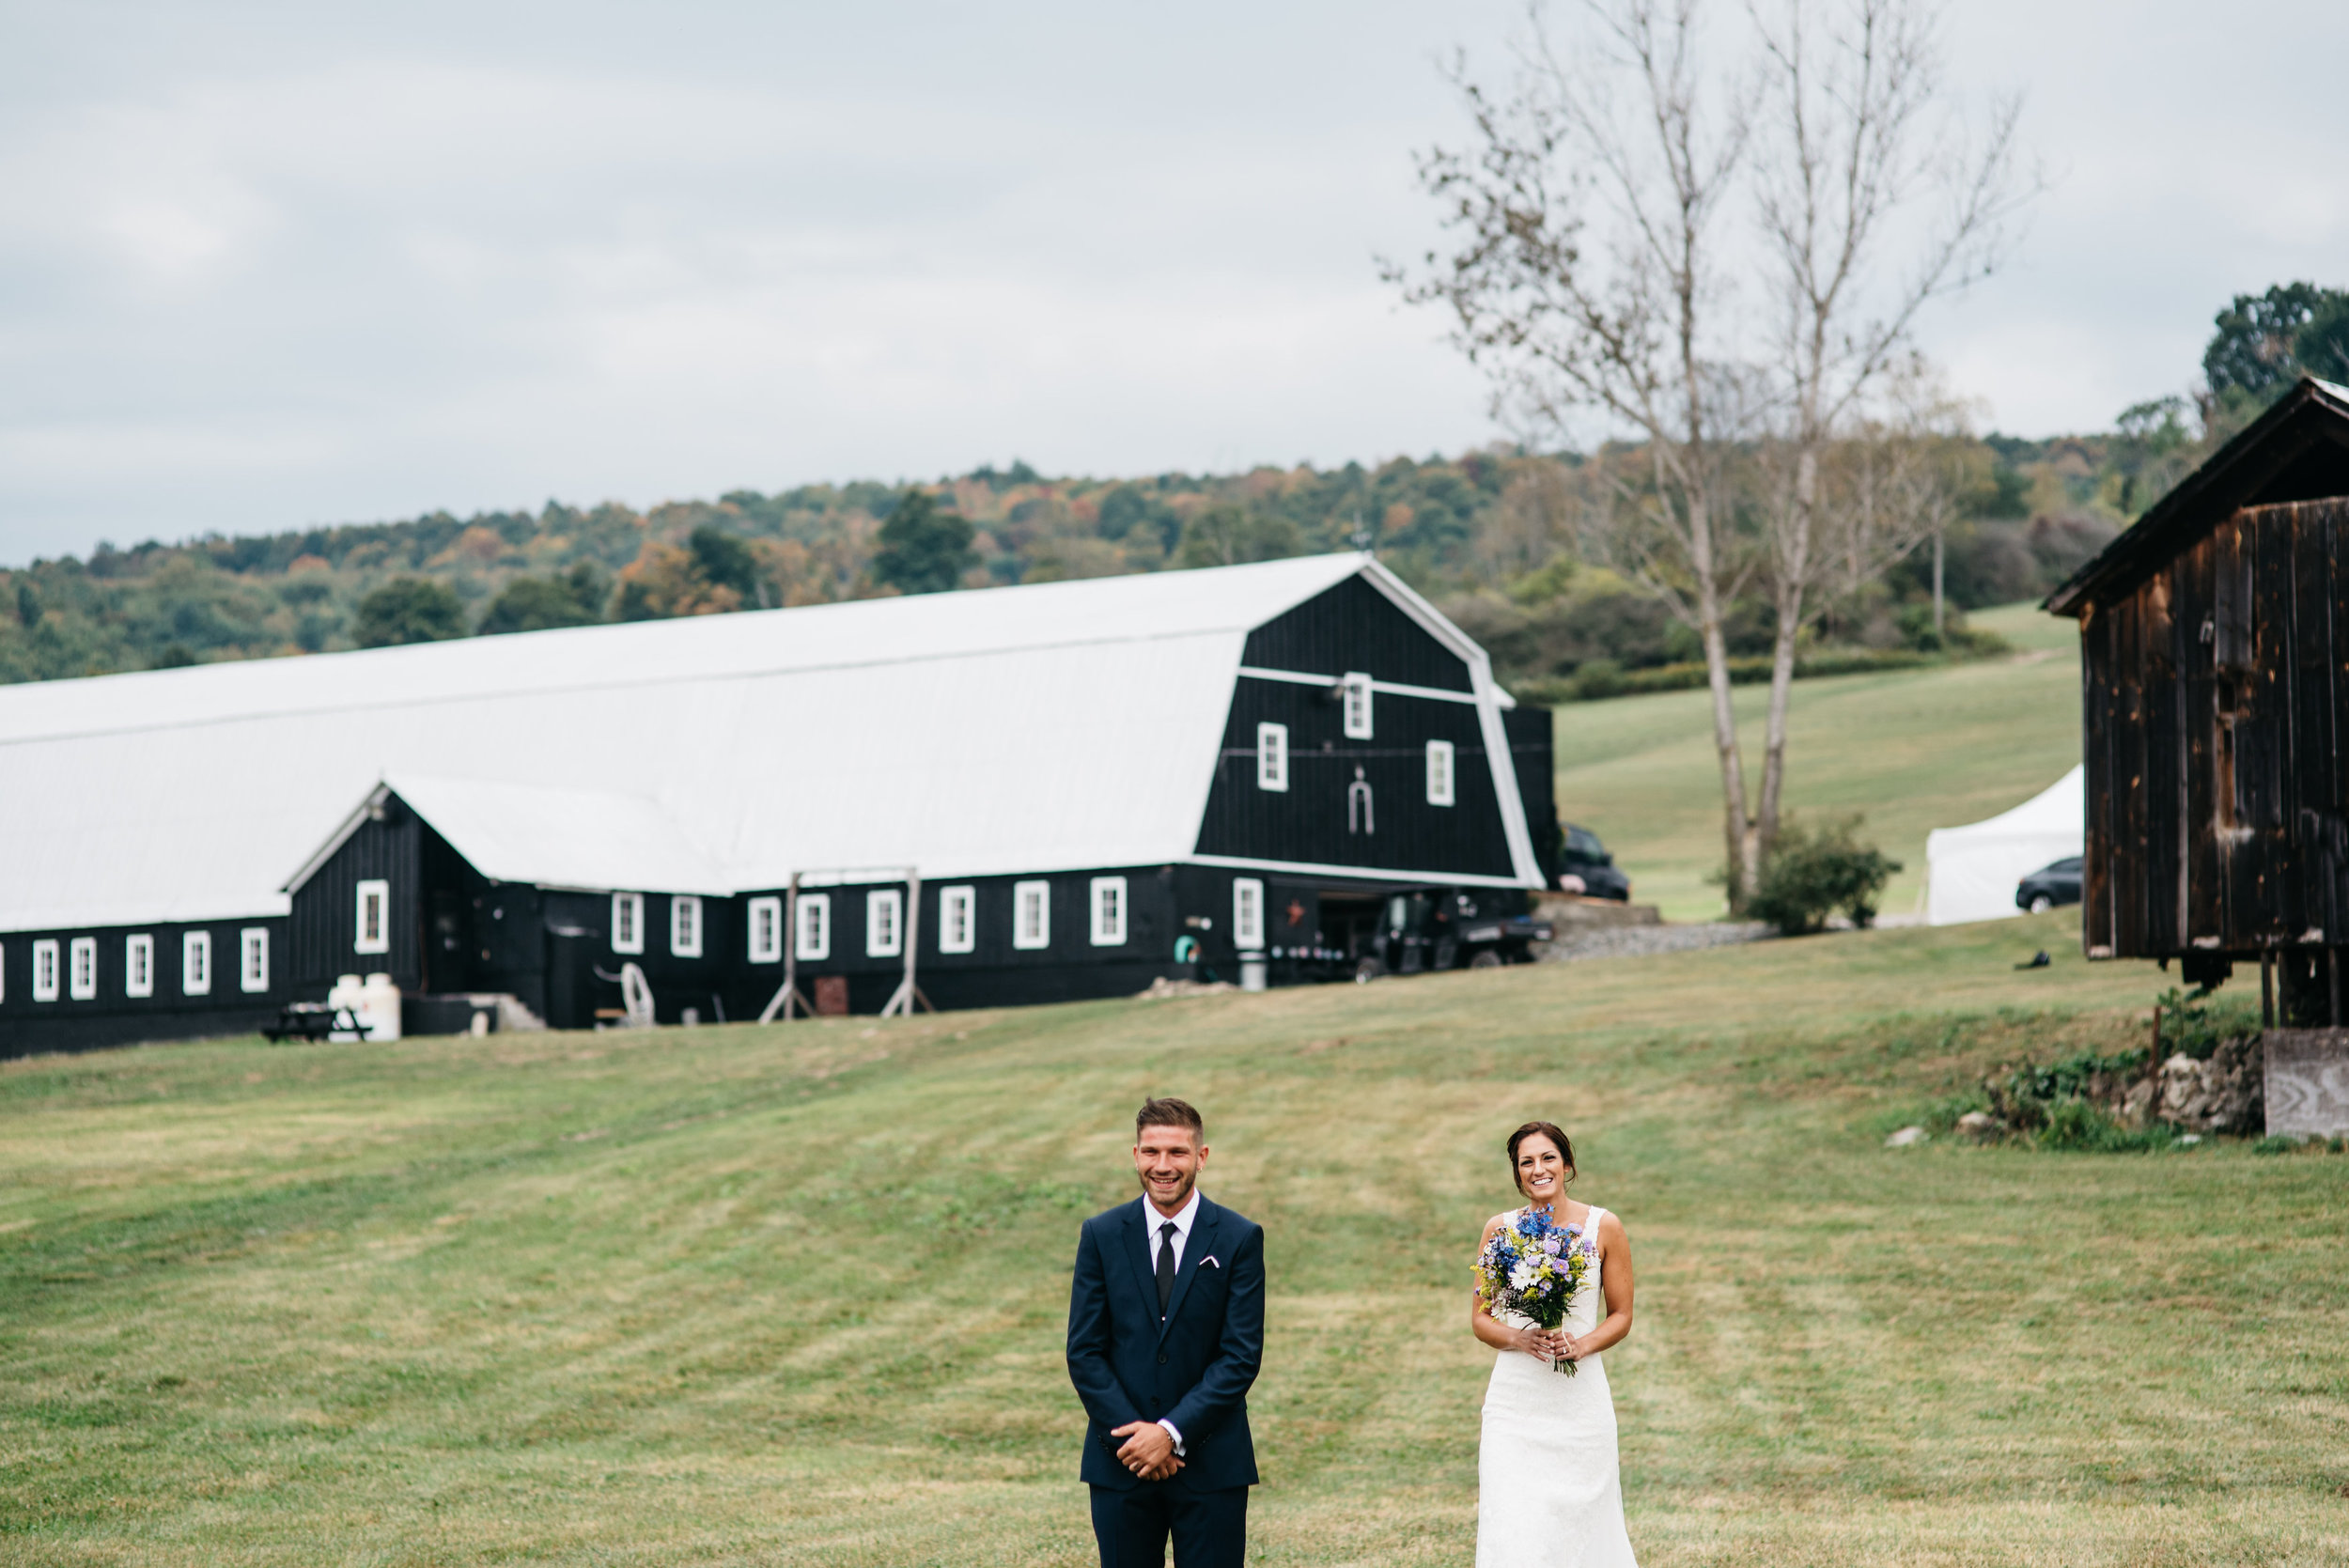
(1855, 157)
(1627, 332)
(1598, 211)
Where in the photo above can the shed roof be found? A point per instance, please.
(2298, 450)
(1049, 727)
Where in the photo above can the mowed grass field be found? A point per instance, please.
(796, 1295)
(1914, 750)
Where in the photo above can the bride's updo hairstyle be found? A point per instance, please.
(1547, 1129)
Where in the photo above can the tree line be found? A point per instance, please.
(1493, 536)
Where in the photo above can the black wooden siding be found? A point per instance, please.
(1355, 626)
(994, 972)
(324, 927)
(1308, 822)
(113, 1018)
(1532, 749)
(2215, 787)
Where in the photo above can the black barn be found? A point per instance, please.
(1049, 793)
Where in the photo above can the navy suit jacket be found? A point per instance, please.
(1194, 1368)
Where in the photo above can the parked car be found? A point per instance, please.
(1446, 928)
(1584, 867)
(2057, 882)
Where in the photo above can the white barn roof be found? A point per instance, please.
(1051, 727)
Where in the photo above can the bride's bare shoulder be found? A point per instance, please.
(1498, 1221)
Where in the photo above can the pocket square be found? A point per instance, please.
(1209, 1263)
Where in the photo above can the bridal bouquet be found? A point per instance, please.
(1533, 1267)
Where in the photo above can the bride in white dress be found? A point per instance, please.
(1549, 1492)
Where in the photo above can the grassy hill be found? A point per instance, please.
(1914, 750)
(794, 1295)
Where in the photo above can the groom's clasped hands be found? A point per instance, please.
(1149, 1452)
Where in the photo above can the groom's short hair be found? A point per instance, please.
(1170, 1113)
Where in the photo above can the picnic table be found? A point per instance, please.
(313, 1021)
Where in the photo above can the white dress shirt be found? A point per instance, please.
(1182, 1219)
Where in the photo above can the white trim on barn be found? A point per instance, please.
(957, 919)
(196, 964)
(765, 919)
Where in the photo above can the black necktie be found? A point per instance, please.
(1166, 1265)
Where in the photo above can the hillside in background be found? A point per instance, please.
(1489, 535)
(1912, 749)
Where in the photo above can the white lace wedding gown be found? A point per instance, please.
(1549, 1492)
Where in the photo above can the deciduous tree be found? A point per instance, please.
(1608, 206)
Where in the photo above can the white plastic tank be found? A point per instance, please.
(348, 992)
(378, 1007)
(1251, 971)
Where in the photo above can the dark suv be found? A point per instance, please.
(1580, 855)
(1444, 928)
(2058, 882)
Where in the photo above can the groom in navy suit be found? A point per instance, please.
(1165, 1331)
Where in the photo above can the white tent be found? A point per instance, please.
(1971, 871)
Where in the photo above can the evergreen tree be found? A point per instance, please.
(409, 609)
(923, 550)
(541, 603)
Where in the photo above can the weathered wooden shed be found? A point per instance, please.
(2214, 666)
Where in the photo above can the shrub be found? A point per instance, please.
(1597, 679)
(2194, 1022)
(2078, 1127)
(1810, 875)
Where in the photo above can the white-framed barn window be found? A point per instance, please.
(814, 934)
(45, 970)
(884, 922)
(1272, 756)
(138, 965)
(1439, 772)
(196, 964)
(1247, 913)
(252, 958)
(81, 973)
(1109, 911)
(1356, 695)
(684, 925)
(766, 917)
(374, 925)
(1030, 914)
(957, 919)
(628, 922)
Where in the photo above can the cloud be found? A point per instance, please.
(265, 266)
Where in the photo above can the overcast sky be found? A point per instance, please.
(269, 266)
